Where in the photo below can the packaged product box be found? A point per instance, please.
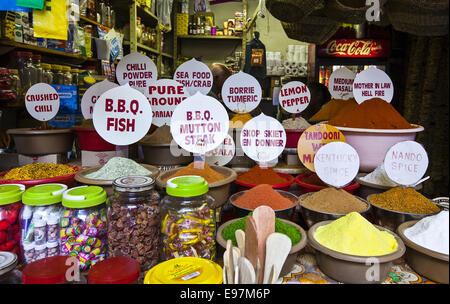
(42, 159)
(67, 114)
(18, 33)
(41, 42)
(238, 21)
(55, 44)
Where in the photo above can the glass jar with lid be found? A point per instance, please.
(10, 207)
(67, 75)
(75, 77)
(58, 74)
(188, 222)
(40, 220)
(133, 221)
(38, 71)
(47, 74)
(22, 61)
(83, 229)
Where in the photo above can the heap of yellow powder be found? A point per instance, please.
(238, 121)
(354, 235)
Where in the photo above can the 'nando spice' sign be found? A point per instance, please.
(355, 48)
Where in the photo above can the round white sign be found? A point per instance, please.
(42, 101)
(223, 154)
(336, 164)
(263, 138)
(241, 93)
(92, 94)
(406, 162)
(294, 97)
(164, 96)
(138, 70)
(340, 83)
(195, 76)
(122, 116)
(372, 83)
(199, 124)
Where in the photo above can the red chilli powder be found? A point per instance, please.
(263, 195)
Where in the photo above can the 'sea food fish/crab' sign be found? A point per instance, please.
(294, 97)
(137, 70)
(92, 94)
(241, 93)
(42, 101)
(195, 76)
(372, 83)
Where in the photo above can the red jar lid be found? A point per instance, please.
(46, 271)
(117, 270)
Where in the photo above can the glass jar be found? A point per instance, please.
(75, 77)
(117, 270)
(67, 75)
(83, 225)
(133, 221)
(10, 208)
(38, 71)
(58, 75)
(22, 61)
(47, 74)
(188, 223)
(39, 220)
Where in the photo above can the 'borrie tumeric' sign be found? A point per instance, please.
(364, 48)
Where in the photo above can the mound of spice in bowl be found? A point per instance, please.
(117, 167)
(258, 175)
(406, 200)
(209, 174)
(161, 135)
(332, 200)
(263, 195)
(297, 123)
(333, 107)
(38, 171)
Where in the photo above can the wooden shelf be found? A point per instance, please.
(147, 48)
(92, 22)
(167, 55)
(146, 10)
(209, 37)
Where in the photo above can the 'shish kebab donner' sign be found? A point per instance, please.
(195, 76)
(42, 101)
(241, 93)
(137, 70)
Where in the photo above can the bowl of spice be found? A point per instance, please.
(348, 248)
(398, 205)
(282, 202)
(218, 178)
(371, 128)
(89, 139)
(310, 182)
(296, 233)
(157, 149)
(37, 174)
(257, 176)
(104, 175)
(294, 128)
(426, 243)
(330, 204)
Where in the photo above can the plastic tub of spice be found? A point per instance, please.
(398, 205)
(331, 204)
(90, 140)
(310, 182)
(10, 208)
(41, 142)
(257, 176)
(347, 248)
(115, 270)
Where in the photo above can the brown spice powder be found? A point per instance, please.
(331, 200)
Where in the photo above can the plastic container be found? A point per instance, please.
(284, 186)
(90, 140)
(188, 219)
(38, 70)
(10, 207)
(58, 74)
(39, 221)
(117, 270)
(306, 188)
(83, 229)
(67, 75)
(185, 270)
(292, 137)
(133, 221)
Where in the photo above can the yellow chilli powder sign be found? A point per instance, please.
(312, 139)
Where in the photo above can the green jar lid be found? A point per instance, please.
(11, 193)
(187, 186)
(46, 194)
(84, 197)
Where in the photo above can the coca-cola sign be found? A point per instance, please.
(355, 48)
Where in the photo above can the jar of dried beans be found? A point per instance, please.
(188, 219)
(133, 221)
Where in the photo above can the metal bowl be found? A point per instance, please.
(392, 219)
(312, 217)
(41, 142)
(366, 189)
(286, 213)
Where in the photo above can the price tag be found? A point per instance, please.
(340, 83)
(406, 162)
(42, 101)
(263, 138)
(336, 164)
(92, 94)
(294, 97)
(241, 93)
(138, 70)
(199, 124)
(122, 116)
(164, 96)
(195, 76)
(312, 139)
(372, 83)
(223, 154)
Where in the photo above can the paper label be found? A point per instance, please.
(312, 139)
(199, 124)
(42, 101)
(92, 94)
(406, 162)
(223, 154)
(122, 116)
(294, 97)
(241, 93)
(137, 70)
(336, 164)
(372, 83)
(164, 96)
(263, 138)
(340, 83)
(195, 76)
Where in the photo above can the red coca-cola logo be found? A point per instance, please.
(355, 48)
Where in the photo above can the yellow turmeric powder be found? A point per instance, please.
(38, 171)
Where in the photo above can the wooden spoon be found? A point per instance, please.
(230, 262)
(278, 246)
(265, 225)
(246, 271)
(251, 241)
(240, 239)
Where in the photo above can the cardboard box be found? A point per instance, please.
(97, 158)
(42, 159)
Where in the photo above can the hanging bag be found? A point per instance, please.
(51, 22)
(293, 10)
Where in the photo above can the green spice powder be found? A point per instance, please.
(117, 167)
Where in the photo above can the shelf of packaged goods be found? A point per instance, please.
(14, 44)
(146, 10)
(93, 22)
(143, 47)
(209, 37)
